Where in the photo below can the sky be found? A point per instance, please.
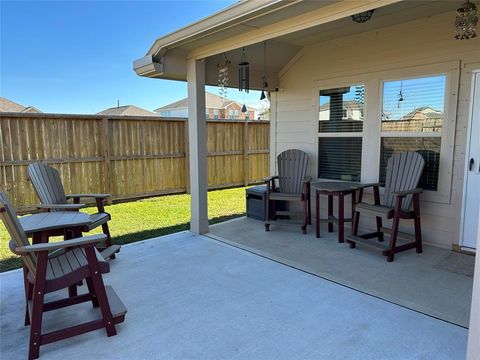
(76, 56)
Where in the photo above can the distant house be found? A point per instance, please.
(11, 106)
(127, 110)
(351, 110)
(217, 108)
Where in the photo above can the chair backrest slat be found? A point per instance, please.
(403, 173)
(292, 169)
(47, 183)
(14, 228)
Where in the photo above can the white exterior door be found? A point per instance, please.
(471, 202)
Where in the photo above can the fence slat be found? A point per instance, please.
(128, 157)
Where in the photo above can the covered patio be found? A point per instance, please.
(192, 297)
(316, 53)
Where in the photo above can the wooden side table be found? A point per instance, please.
(331, 189)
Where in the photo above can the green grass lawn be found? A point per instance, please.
(144, 219)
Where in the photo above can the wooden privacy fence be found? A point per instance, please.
(127, 157)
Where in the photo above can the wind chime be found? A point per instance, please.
(264, 77)
(223, 77)
(244, 77)
(400, 95)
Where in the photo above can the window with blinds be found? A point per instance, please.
(340, 129)
(412, 120)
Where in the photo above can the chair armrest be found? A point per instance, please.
(78, 242)
(367, 185)
(60, 206)
(407, 192)
(270, 178)
(95, 196)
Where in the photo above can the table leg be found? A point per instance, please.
(317, 213)
(330, 213)
(341, 218)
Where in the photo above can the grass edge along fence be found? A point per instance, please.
(125, 156)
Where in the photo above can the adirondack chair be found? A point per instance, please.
(291, 184)
(402, 177)
(50, 267)
(48, 186)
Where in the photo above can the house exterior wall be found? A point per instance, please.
(419, 47)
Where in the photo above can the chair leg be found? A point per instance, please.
(91, 289)
(393, 238)
(305, 216)
(309, 207)
(108, 242)
(379, 226)
(418, 229)
(37, 306)
(267, 214)
(99, 289)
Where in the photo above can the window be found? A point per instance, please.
(231, 114)
(340, 129)
(215, 113)
(412, 120)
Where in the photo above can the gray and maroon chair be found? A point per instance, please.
(403, 174)
(49, 188)
(290, 185)
(51, 267)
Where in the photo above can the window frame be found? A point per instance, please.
(372, 133)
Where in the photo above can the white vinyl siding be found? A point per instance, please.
(418, 48)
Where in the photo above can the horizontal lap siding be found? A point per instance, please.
(421, 42)
(129, 158)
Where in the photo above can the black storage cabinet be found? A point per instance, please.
(256, 198)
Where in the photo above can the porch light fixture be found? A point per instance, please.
(466, 21)
(363, 16)
(264, 77)
(244, 73)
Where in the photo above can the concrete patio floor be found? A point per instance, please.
(191, 297)
(412, 280)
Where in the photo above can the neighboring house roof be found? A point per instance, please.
(126, 110)
(212, 101)
(11, 106)
(423, 112)
(348, 104)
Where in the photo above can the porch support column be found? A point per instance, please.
(197, 129)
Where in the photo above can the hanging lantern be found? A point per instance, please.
(363, 16)
(244, 74)
(244, 108)
(264, 77)
(223, 77)
(466, 21)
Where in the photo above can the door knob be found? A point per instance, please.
(470, 164)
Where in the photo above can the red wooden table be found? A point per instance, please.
(331, 189)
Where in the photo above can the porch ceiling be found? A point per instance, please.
(287, 26)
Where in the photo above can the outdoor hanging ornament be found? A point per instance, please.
(363, 16)
(264, 77)
(223, 77)
(466, 21)
(244, 107)
(244, 73)
(400, 95)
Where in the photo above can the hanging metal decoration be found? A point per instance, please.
(244, 73)
(264, 77)
(400, 95)
(223, 77)
(363, 16)
(244, 108)
(466, 21)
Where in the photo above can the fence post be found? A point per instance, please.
(187, 157)
(106, 158)
(245, 154)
